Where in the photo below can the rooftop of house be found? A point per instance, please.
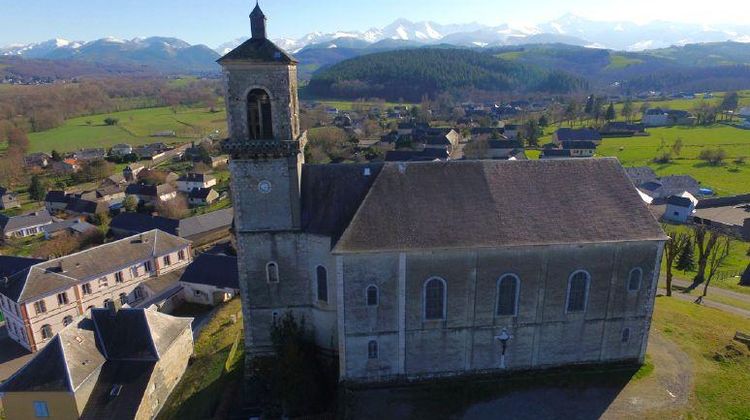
(50, 276)
(37, 218)
(196, 177)
(641, 174)
(149, 190)
(505, 144)
(508, 205)
(679, 201)
(428, 154)
(200, 193)
(74, 225)
(10, 265)
(667, 186)
(213, 270)
(191, 226)
(578, 134)
(108, 348)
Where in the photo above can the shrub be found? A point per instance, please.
(713, 156)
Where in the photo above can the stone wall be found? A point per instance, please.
(166, 375)
(543, 334)
(297, 256)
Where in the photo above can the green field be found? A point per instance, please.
(617, 62)
(728, 179)
(134, 128)
(350, 105)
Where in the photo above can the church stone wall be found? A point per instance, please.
(297, 256)
(542, 334)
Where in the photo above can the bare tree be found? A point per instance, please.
(672, 249)
(719, 254)
(705, 242)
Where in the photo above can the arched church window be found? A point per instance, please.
(578, 290)
(434, 299)
(322, 280)
(272, 272)
(259, 121)
(507, 295)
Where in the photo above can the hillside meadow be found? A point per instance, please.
(134, 127)
(732, 177)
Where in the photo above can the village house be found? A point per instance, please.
(37, 160)
(73, 226)
(131, 172)
(8, 199)
(199, 229)
(152, 194)
(111, 364)
(29, 224)
(622, 129)
(217, 161)
(563, 135)
(580, 149)
(42, 299)
(202, 197)
(195, 181)
(210, 280)
(87, 155)
(413, 270)
(121, 150)
(66, 166)
(657, 117)
(680, 208)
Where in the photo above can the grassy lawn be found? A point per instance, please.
(620, 62)
(212, 376)
(728, 179)
(134, 128)
(721, 366)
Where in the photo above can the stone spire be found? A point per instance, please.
(258, 22)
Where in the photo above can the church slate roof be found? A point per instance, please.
(331, 194)
(259, 50)
(497, 204)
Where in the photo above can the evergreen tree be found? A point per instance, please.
(543, 121)
(589, 105)
(38, 188)
(610, 115)
(686, 261)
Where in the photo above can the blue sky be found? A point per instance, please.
(214, 22)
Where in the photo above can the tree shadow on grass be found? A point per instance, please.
(586, 393)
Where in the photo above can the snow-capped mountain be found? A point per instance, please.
(569, 29)
(159, 53)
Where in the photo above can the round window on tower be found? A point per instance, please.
(264, 187)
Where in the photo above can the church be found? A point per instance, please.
(417, 270)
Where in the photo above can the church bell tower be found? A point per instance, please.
(265, 143)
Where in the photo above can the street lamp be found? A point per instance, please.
(504, 337)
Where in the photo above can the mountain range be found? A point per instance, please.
(569, 29)
(170, 55)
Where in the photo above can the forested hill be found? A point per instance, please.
(411, 74)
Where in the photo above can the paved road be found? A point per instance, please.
(714, 290)
(707, 302)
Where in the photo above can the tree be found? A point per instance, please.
(713, 157)
(590, 102)
(671, 249)
(543, 121)
(719, 254)
(677, 146)
(56, 156)
(705, 242)
(532, 132)
(38, 188)
(130, 203)
(477, 149)
(611, 115)
(730, 103)
(686, 261)
(111, 121)
(644, 108)
(176, 208)
(627, 110)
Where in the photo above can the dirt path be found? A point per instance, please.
(665, 390)
(714, 290)
(707, 302)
